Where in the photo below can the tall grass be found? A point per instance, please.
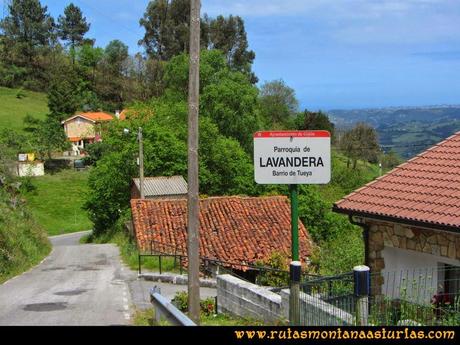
(23, 242)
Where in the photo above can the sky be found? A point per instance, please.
(335, 54)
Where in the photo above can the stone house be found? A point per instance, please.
(85, 128)
(411, 219)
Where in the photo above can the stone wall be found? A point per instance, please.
(385, 234)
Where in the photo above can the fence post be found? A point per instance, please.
(139, 263)
(361, 277)
(294, 300)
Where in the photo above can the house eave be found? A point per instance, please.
(410, 222)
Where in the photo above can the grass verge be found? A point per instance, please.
(56, 201)
(147, 318)
(23, 242)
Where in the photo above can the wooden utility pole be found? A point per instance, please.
(141, 163)
(193, 182)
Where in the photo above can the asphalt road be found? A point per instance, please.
(75, 285)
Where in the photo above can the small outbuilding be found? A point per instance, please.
(160, 187)
(234, 231)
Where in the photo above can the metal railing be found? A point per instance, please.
(211, 266)
(164, 309)
(421, 296)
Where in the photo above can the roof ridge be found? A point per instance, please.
(242, 197)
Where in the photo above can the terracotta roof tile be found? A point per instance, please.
(97, 116)
(425, 189)
(235, 230)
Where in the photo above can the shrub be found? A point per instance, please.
(277, 277)
(207, 305)
(20, 94)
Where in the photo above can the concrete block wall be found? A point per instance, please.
(238, 297)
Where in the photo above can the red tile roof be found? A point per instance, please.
(239, 230)
(97, 116)
(425, 189)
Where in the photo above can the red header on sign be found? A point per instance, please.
(296, 134)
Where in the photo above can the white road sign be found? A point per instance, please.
(292, 157)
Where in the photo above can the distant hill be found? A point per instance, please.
(408, 130)
(13, 109)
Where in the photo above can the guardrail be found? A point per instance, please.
(165, 309)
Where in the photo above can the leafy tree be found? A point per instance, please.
(46, 135)
(278, 103)
(360, 142)
(64, 94)
(89, 58)
(229, 36)
(390, 160)
(232, 104)
(27, 34)
(176, 71)
(109, 183)
(111, 79)
(225, 168)
(166, 24)
(158, 30)
(72, 27)
(309, 120)
(227, 97)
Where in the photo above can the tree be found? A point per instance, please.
(27, 33)
(166, 24)
(64, 94)
(309, 120)
(278, 103)
(156, 22)
(232, 104)
(46, 135)
(112, 75)
(227, 97)
(225, 168)
(229, 36)
(360, 142)
(390, 160)
(72, 27)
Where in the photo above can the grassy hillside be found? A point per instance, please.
(408, 130)
(57, 199)
(23, 242)
(14, 109)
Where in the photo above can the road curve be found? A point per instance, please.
(75, 285)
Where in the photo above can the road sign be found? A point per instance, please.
(292, 157)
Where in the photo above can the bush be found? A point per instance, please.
(207, 306)
(20, 94)
(277, 261)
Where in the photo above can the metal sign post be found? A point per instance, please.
(293, 158)
(293, 189)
